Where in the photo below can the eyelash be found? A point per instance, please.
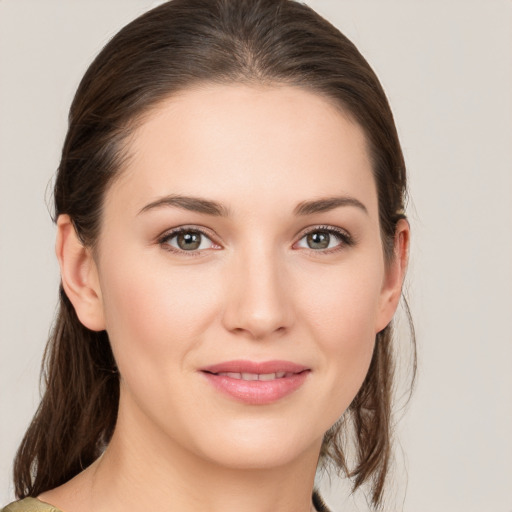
(343, 237)
(169, 235)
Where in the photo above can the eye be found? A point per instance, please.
(187, 240)
(325, 239)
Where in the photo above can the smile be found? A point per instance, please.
(256, 383)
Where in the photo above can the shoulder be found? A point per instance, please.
(29, 505)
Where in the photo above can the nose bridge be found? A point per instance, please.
(258, 302)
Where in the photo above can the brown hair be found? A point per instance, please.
(170, 48)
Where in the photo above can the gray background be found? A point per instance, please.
(447, 69)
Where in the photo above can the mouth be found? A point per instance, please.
(256, 376)
(256, 383)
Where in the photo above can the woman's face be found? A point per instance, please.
(241, 276)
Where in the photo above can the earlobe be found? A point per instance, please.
(79, 275)
(395, 275)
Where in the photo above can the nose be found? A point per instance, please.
(259, 298)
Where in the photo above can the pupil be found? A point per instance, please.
(189, 241)
(318, 240)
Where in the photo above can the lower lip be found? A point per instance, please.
(257, 392)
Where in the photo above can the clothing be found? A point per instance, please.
(318, 502)
(35, 505)
(29, 505)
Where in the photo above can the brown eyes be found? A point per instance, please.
(193, 240)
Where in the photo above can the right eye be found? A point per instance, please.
(187, 240)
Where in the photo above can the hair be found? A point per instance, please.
(171, 48)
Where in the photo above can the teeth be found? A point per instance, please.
(255, 376)
(249, 376)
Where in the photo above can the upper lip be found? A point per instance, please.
(257, 367)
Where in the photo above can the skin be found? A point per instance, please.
(254, 290)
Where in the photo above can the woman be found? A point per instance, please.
(232, 243)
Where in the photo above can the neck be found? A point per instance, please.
(142, 470)
(181, 482)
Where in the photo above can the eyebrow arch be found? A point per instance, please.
(326, 204)
(208, 207)
(194, 204)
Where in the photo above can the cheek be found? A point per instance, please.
(153, 310)
(342, 315)
(343, 301)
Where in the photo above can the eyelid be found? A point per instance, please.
(173, 232)
(345, 238)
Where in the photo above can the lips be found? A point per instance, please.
(256, 383)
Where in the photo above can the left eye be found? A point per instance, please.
(188, 240)
(322, 239)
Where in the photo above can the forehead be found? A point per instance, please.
(240, 144)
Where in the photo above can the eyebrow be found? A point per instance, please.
(326, 204)
(214, 208)
(193, 204)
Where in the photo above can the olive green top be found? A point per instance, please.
(29, 505)
(35, 505)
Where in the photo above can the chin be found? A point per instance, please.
(260, 445)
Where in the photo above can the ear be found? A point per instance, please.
(394, 276)
(79, 275)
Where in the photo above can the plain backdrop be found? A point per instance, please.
(447, 69)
